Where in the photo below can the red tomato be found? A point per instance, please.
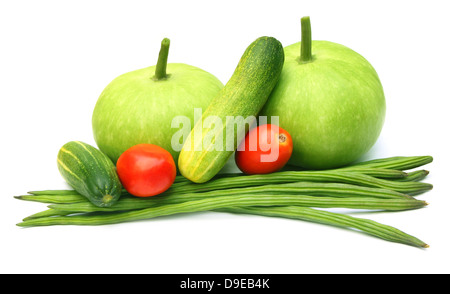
(146, 170)
(265, 149)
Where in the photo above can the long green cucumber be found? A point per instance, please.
(90, 172)
(227, 119)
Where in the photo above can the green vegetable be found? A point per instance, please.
(228, 201)
(331, 101)
(47, 213)
(312, 215)
(299, 189)
(334, 219)
(349, 177)
(90, 172)
(396, 162)
(243, 96)
(416, 175)
(140, 106)
(310, 188)
(53, 198)
(355, 202)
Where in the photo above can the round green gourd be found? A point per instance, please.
(330, 100)
(140, 106)
(90, 172)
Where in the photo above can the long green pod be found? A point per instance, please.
(54, 192)
(414, 176)
(306, 188)
(299, 188)
(395, 162)
(368, 203)
(190, 187)
(181, 181)
(299, 199)
(50, 212)
(382, 173)
(370, 227)
(246, 181)
(217, 134)
(53, 198)
(355, 178)
(224, 202)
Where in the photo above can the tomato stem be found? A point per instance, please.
(161, 66)
(306, 44)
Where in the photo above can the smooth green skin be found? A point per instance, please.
(135, 108)
(333, 107)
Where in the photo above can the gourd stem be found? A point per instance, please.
(305, 53)
(161, 65)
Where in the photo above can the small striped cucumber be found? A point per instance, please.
(90, 172)
(209, 145)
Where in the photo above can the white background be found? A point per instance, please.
(57, 56)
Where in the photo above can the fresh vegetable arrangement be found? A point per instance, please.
(326, 108)
(379, 185)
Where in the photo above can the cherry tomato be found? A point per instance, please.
(146, 170)
(265, 149)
